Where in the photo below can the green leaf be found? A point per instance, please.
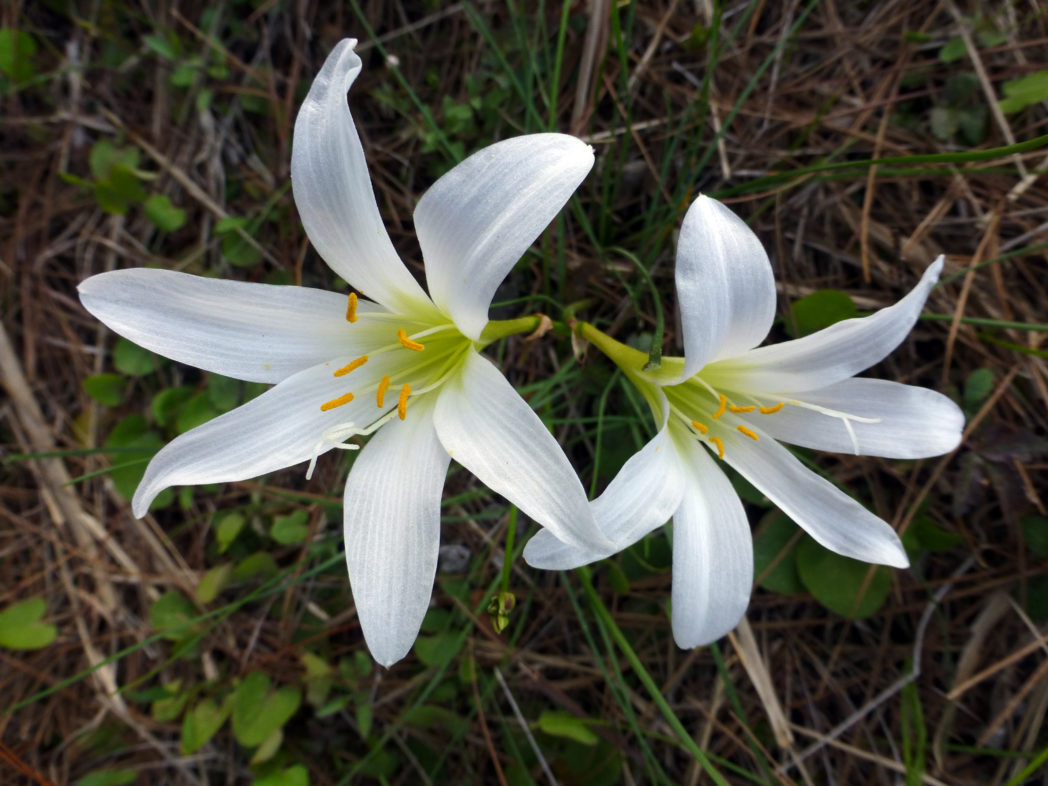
(258, 563)
(560, 723)
(365, 715)
(170, 615)
(166, 709)
(821, 309)
(235, 246)
(201, 723)
(1035, 533)
(109, 778)
(21, 628)
(840, 583)
(258, 712)
(137, 445)
(437, 650)
(17, 49)
(227, 529)
(775, 543)
(977, 388)
(213, 582)
(295, 775)
(224, 392)
(168, 403)
(429, 716)
(195, 412)
(954, 50)
(132, 360)
(106, 389)
(163, 214)
(168, 48)
(291, 529)
(926, 534)
(1024, 91)
(270, 745)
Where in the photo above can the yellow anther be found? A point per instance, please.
(351, 308)
(402, 404)
(720, 446)
(734, 408)
(360, 361)
(336, 402)
(772, 410)
(723, 406)
(700, 427)
(402, 337)
(380, 394)
(747, 432)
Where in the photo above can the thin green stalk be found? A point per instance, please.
(507, 552)
(984, 322)
(653, 690)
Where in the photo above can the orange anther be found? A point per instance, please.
(360, 361)
(336, 402)
(351, 308)
(380, 394)
(402, 404)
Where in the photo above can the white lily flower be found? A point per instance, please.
(406, 363)
(729, 400)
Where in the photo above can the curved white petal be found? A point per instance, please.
(256, 332)
(479, 219)
(725, 285)
(641, 497)
(838, 352)
(490, 430)
(392, 530)
(825, 512)
(332, 188)
(914, 422)
(712, 555)
(283, 426)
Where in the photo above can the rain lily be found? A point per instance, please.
(728, 400)
(404, 367)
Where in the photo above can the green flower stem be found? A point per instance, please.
(501, 328)
(630, 360)
(638, 668)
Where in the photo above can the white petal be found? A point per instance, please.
(712, 555)
(332, 188)
(392, 530)
(641, 497)
(825, 512)
(282, 427)
(257, 332)
(838, 352)
(489, 429)
(479, 219)
(914, 422)
(725, 285)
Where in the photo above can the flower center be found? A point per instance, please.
(711, 416)
(417, 359)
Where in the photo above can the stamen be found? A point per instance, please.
(336, 402)
(351, 308)
(380, 394)
(772, 410)
(735, 408)
(720, 446)
(402, 337)
(360, 361)
(700, 427)
(402, 404)
(747, 432)
(723, 406)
